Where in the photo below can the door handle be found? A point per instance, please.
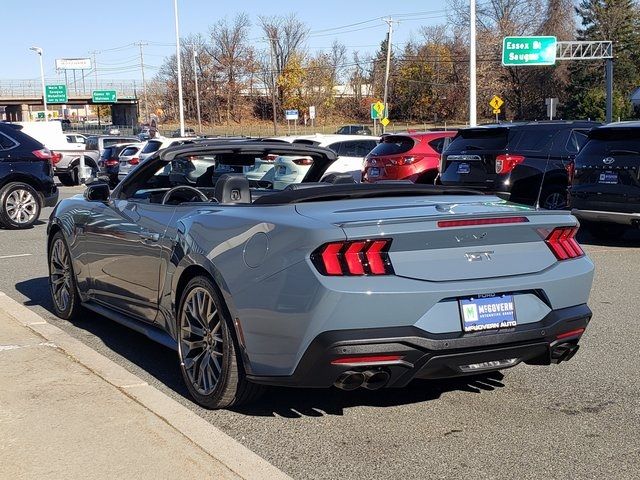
(147, 236)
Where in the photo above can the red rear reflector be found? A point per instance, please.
(112, 162)
(358, 257)
(269, 158)
(42, 154)
(365, 360)
(570, 333)
(481, 221)
(563, 244)
(134, 161)
(506, 163)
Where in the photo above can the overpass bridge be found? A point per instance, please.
(19, 96)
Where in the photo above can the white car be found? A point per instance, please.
(290, 169)
(351, 150)
(129, 158)
(160, 143)
(76, 138)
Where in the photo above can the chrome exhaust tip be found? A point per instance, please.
(375, 379)
(349, 380)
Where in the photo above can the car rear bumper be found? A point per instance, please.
(623, 218)
(425, 355)
(50, 199)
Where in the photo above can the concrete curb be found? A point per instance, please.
(232, 454)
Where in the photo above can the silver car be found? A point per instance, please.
(318, 284)
(129, 159)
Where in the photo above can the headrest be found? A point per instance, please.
(232, 188)
(339, 178)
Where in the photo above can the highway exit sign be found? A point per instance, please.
(518, 51)
(104, 96)
(56, 93)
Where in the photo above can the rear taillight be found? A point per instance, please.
(42, 154)
(55, 157)
(134, 161)
(359, 257)
(269, 158)
(563, 244)
(112, 162)
(505, 163)
(410, 159)
(303, 161)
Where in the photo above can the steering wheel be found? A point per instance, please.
(201, 196)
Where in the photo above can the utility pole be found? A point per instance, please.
(179, 65)
(386, 72)
(144, 84)
(273, 87)
(95, 67)
(473, 120)
(195, 76)
(39, 51)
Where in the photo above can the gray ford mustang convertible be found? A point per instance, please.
(322, 283)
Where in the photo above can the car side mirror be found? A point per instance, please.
(97, 192)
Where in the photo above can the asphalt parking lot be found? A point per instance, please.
(577, 420)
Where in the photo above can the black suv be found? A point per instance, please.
(26, 178)
(605, 194)
(530, 163)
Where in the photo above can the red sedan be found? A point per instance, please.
(406, 156)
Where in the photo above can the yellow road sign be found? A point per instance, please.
(385, 121)
(496, 110)
(496, 102)
(379, 107)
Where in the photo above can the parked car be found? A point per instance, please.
(76, 138)
(528, 163)
(109, 163)
(354, 130)
(300, 287)
(290, 169)
(410, 156)
(605, 193)
(351, 151)
(111, 130)
(129, 159)
(188, 132)
(68, 168)
(154, 145)
(26, 178)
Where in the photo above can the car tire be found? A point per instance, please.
(19, 205)
(605, 231)
(62, 280)
(66, 179)
(207, 349)
(553, 197)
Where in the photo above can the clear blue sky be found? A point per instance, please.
(72, 28)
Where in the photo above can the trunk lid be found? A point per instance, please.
(424, 249)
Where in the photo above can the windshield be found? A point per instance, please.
(479, 139)
(393, 145)
(151, 147)
(601, 148)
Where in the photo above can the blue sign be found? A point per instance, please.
(291, 114)
(486, 313)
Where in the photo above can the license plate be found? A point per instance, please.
(610, 178)
(464, 168)
(374, 172)
(487, 313)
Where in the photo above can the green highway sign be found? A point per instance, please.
(528, 51)
(104, 96)
(56, 93)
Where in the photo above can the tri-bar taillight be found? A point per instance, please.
(563, 244)
(354, 258)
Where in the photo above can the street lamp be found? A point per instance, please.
(195, 75)
(472, 64)
(179, 65)
(38, 50)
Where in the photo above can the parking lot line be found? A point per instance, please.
(17, 255)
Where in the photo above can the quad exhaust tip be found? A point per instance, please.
(369, 379)
(563, 352)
